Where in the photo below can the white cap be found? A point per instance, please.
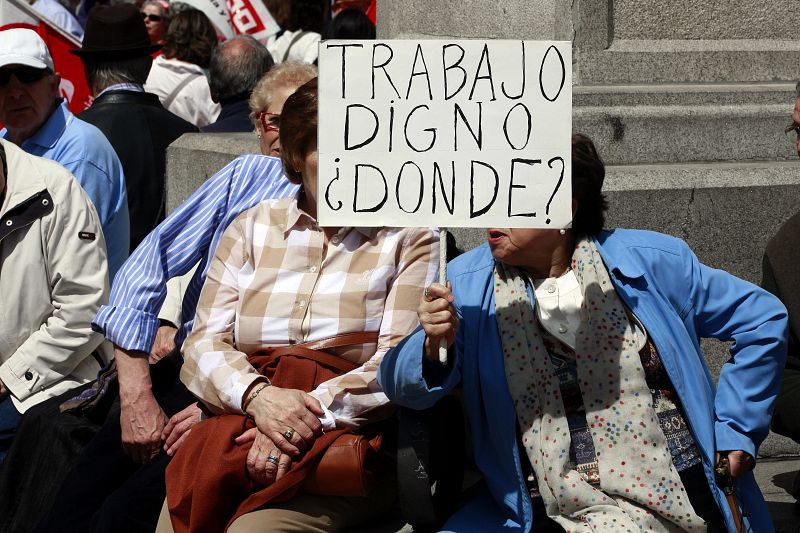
(21, 46)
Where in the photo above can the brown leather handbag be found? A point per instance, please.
(349, 466)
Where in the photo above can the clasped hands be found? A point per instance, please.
(287, 424)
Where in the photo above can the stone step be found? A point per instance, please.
(661, 125)
(684, 94)
(717, 60)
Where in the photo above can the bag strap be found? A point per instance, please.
(314, 349)
(341, 340)
(186, 81)
(342, 365)
(294, 40)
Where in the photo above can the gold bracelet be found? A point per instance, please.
(255, 392)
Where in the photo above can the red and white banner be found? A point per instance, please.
(74, 88)
(252, 17)
(238, 17)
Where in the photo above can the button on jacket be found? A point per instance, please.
(677, 299)
(53, 279)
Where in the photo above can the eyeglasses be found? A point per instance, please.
(26, 75)
(270, 121)
(150, 17)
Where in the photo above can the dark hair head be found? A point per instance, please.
(349, 24)
(307, 15)
(235, 68)
(298, 134)
(191, 38)
(588, 174)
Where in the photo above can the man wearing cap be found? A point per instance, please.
(116, 55)
(37, 119)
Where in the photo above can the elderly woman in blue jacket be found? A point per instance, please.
(590, 405)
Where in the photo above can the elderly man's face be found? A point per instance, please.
(25, 105)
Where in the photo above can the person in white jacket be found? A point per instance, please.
(53, 280)
(178, 75)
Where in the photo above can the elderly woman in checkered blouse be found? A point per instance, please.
(590, 404)
(279, 279)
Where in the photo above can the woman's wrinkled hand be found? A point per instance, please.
(289, 417)
(438, 318)
(265, 462)
(739, 462)
(179, 427)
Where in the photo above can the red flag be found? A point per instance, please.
(372, 12)
(74, 88)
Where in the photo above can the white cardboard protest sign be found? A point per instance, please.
(462, 133)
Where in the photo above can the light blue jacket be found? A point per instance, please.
(677, 299)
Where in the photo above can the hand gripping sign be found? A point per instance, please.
(466, 133)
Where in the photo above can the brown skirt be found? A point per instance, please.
(208, 486)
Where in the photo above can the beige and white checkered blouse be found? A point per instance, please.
(274, 281)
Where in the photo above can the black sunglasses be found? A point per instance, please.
(26, 75)
(151, 18)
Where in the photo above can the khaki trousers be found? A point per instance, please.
(309, 513)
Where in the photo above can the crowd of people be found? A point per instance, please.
(200, 370)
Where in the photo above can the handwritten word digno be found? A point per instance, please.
(466, 132)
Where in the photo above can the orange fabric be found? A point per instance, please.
(208, 486)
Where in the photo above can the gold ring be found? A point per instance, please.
(289, 433)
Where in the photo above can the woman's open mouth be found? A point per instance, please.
(495, 236)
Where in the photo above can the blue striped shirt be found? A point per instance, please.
(187, 236)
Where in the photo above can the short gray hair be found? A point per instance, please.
(288, 74)
(102, 74)
(236, 66)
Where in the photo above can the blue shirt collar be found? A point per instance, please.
(52, 130)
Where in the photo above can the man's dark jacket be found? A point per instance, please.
(234, 117)
(781, 276)
(139, 129)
